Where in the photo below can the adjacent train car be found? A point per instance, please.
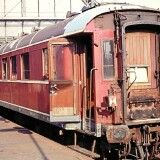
(97, 73)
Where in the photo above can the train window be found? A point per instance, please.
(4, 68)
(45, 63)
(108, 60)
(13, 68)
(136, 74)
(62, 62)
(25, 66)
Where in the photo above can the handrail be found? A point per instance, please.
(90, 96)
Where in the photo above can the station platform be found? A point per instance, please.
(17, 143)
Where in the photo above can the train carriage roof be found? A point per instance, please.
(67, 27)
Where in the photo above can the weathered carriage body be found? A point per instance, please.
(96, 73)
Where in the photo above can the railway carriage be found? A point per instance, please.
(96, 73)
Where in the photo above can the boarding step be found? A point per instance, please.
(87, 132)
(84, 151)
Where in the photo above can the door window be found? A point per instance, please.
(63, 62)
(136, 74)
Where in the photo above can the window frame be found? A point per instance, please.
(23, 70)
(111, 77)
(45, 63)
(56, 73)
(4, 62)
(13, 74)
(137, 83)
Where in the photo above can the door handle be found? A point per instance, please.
(53, 88)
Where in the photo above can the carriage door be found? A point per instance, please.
(62, 86)
(143, 74)
(141, 59)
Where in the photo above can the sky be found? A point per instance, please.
(149, 3)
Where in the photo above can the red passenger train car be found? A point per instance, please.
(97, 73)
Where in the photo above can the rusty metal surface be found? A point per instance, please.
(20, 143)
(117, 134)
